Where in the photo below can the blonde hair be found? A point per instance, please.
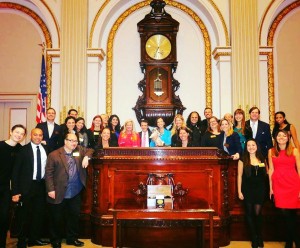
(174, 128)
(126, 122)
(230, 129)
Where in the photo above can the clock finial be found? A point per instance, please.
(158, 8)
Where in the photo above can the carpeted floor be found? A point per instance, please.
(89, 244)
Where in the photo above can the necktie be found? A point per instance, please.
(144, 140)
(39, 164)
(254, 130)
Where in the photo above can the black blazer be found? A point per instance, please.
(23, 170)
(52, 142)
(263, 136)
(233, 143)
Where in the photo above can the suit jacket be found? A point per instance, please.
(57, 174)
(23, 170)
(149, 133)
(52, 142)
(233, 143)
(263, 136)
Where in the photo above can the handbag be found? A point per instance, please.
(16, 222)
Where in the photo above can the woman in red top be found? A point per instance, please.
(128, 136)
(284, 175)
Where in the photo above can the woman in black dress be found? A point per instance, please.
(251, 189)
(8, 150)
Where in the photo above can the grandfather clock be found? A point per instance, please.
(158, 31)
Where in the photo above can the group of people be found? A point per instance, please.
(55, 161)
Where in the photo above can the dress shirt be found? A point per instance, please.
(43, 158)
(145, 139)
(50, 126)
(224, 142)
(254, 128)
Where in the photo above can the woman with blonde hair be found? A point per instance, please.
(178, 123)
(230, 140)
(128, 136)
(284, 178)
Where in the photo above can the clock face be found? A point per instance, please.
(158, 47)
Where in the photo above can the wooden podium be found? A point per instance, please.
(198, 176)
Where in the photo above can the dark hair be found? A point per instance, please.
(189, 123)
(145, 121)
(288, 148)
(70, 110)
(276, 125)
(235, 123)
(51, 109)
(208, 108)
(118, 127)
(67, 133)
(19, 126)
(83, 129)
(253, 108)
(246, 157)
(68, 118)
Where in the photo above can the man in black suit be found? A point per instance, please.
(260, 131)
(145, 133)
(50, 129)
(28, 185)
(208, 113)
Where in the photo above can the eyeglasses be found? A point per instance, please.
(72, 141)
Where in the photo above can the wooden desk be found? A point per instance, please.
(118, 171)
(127, 210)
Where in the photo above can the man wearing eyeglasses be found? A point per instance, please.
(65, 178)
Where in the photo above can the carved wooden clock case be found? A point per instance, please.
(158, 31)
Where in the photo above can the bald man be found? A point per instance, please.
(28, 185)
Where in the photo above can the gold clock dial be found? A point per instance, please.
(158, 47)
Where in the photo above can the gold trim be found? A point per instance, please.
(124, 15)
(270, 42)
(56, 25)
(47, 36)
(95, 22)
(217, 55)
(222, 20)
(263, 20)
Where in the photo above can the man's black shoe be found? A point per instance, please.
(75, 242)
(56, 245)
(37, 242)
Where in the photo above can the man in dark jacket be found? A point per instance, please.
(28, 185)
(65, 178)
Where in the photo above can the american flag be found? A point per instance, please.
(42, 96)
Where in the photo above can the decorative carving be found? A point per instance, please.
(162, 153)
(95, 187)
(136, 7)
(141, 191)
(179, 190)
(161, 179)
